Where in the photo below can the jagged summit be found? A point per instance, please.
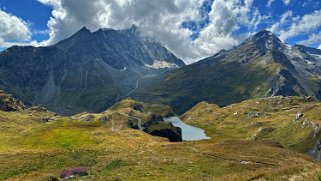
(88, 71)
(83, 30)
(266, 41)
(259, 67)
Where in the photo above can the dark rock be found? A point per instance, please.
(154, 118)
(133, 123)
(138, 107)
(9, 103)
(316, 151)
(174, 134)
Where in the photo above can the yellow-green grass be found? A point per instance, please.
(269, 119)
(34, 150)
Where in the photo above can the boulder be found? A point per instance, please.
(298, 116)
(138, 107)
(166, 130)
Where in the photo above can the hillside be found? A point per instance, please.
(291, 122)
(261, 66)
(40, 145)
(89, 71)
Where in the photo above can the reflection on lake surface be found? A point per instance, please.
(189, 133)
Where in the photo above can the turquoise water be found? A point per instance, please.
(189, 133)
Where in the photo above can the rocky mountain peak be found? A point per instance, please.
(266, 41)
(83, 31)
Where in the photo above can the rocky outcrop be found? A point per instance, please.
(298, 116)
(9, 103)
(315, 127)
(167, 130)
(156, 126)
(316, 151)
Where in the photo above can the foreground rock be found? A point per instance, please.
(158, 127)
(9, 103)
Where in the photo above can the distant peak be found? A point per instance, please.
(83, 30)
(266, 41)
(134, 29)
(264, 33)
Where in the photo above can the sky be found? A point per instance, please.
(191, 29)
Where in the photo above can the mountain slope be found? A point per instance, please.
(261, 66)
(86, 72)
(291, 122)
(40, 145)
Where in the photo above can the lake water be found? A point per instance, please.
(189, 133)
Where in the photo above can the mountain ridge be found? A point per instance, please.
(88, 71)
(260, 66)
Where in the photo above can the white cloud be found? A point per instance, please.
(12, 29)
(160, 19)
(285, 20)
(269, 3)
(314, 38)
(302, 25)
(225, 18)
(286, 2)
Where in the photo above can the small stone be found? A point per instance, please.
(298, 116)
(245, 162)
(306, 122)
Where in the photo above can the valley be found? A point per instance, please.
(37, 144)
(114, 105)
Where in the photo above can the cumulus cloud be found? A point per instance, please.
(161, 19)
(12, 29)
(302, 25)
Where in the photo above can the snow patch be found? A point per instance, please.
(316, 56)
(161, 64)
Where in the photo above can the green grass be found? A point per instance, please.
(62, 138)
(274, 120)
(33, 150)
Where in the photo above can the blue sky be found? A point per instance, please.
(273, 13)
(191, 29)
(33, 12)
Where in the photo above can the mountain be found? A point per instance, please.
(316, 53)
(261, 66)
(86, 72)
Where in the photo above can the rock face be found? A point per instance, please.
(86, 72)
(259, 67)
(174, 134)
(156, 126)
(9, 103)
